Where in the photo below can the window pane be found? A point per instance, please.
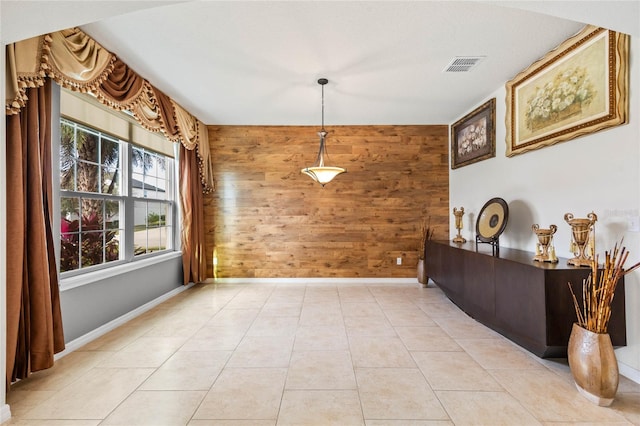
(110, 181)
(156, 233)
(92, 243)
(164, 230)
(153, 214)
(69, 208)
(152, 190)
(87, 177)
(67, 156)
(69, 234)
(92, 214)
(110, 153)
(151, 230)
(112, 211)
(164, 214)
(140, 227)
(162, 178)
(140, 214)
(69, 253)
(112, 246)
(161, 166)
(67, 176)
(158, 239)
(87, 146)
(137, 189)
(147, 162)
(137, 160)
(150, 174)
(67, 138)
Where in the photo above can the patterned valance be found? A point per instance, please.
(76, 61)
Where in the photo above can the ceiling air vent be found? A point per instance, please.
(463, 63)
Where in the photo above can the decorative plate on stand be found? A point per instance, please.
(491, 222)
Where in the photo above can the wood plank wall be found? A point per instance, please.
(266, 219)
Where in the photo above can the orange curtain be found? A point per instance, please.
(194, 262)
(34, 321)
(122, 88)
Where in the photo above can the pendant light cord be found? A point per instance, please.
(322, 82)
(322, 85)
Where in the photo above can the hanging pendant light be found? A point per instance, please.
(320, 172)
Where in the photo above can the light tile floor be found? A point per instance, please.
(259, 354)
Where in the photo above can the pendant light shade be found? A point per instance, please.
(320, 172)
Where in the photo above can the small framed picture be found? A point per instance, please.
(473, 137)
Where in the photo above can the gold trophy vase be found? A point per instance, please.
(458, 214)
(581, 229)
(545, 252)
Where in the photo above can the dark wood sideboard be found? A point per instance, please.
(528, 302)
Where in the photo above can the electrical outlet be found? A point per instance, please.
(398, 261)
(634, 223)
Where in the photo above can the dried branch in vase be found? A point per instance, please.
(426, 233)
(599, 288)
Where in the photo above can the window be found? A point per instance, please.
(150, 180)
(90, 171)
(116, 199)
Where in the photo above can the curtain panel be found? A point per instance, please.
(34, 321)
(194, 263)
(76, 61)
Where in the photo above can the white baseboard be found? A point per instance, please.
(111, 325)
(628, 372)
(319, 281)
(5, 413)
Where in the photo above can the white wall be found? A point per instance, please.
(598, 173)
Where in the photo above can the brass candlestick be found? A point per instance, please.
(545, 252)
(581, 233)
(458, 214)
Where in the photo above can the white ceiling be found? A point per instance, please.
(257, 62)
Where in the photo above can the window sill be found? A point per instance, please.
(102, 274)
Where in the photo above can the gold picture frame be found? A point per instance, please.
(473, 137)
(578, 88)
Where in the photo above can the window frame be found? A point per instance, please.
(170, 202)
(128, 260)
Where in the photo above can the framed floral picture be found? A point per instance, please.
(473, 137)
(576, 89)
